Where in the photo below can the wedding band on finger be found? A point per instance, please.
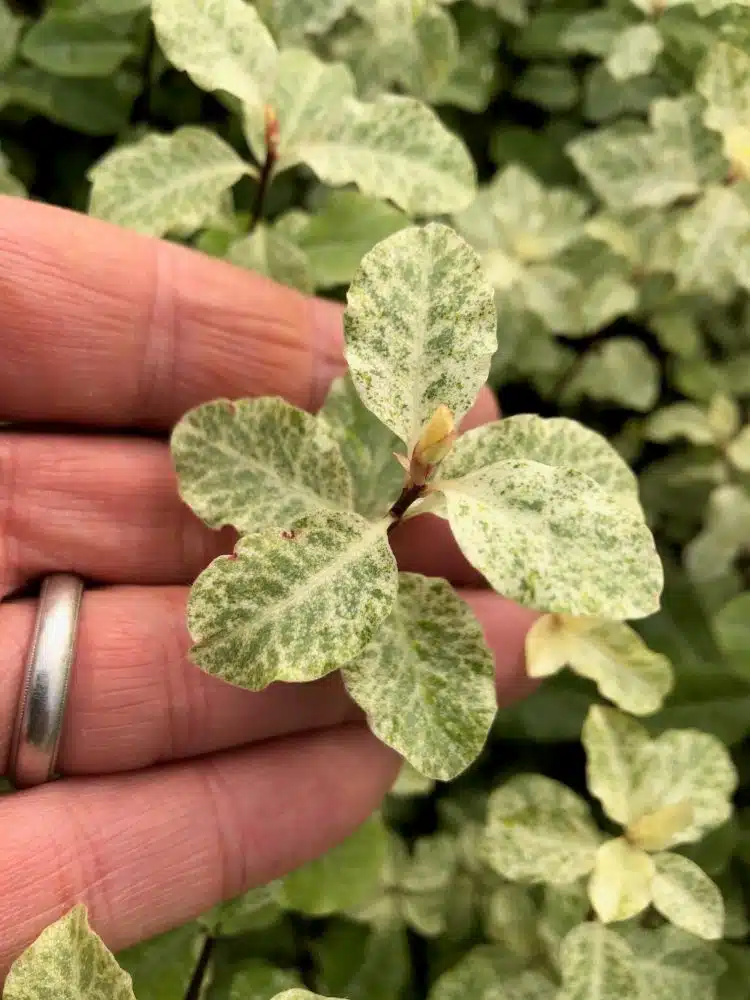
(41, 706)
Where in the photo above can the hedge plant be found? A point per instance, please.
(550, 196)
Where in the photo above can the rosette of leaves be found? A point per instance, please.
(545, 509)
(664, 792)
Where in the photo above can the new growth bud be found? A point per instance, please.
(271, 131)
(655, 831)
(434, 444)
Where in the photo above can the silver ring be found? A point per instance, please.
(36, 735)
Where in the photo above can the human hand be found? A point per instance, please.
(178, 790)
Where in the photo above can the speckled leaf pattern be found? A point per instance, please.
(723, 80)
(420, 328)
(556, 441)
(672, 964)
(686, 765)
(538, 830)
(344, 877)
(553, 540)
(680, 420)
(427, 680)
(367, 447)
(611, 654)
(254, 463)
(164, 183)
(68, 961)
(634, 51)
(596, 964)
(686, 896)
(616, 747)
(620, 884)
(293, 604)
(650, 167)
(620, 370)
(221, 44)
(293, 20)
(394, 147)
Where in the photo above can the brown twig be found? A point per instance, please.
(266, 171)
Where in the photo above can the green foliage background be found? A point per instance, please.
(612, 149)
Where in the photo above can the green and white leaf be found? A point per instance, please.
(510, 919)
(256, 463)
(634, 51)
(620, 370)
(731, 625)
(393, 148)
(221, 44)
(478, 974)
(292, 20)
(714, 234)
(538, 830)
(347, 227)
(427, 679)
(615, 747)
(420, 328)
(293, 605)
(686, 765)
(70, 45)
(554, 441)
(650, 167)
(268, 252)
(609, 653)
(596, 964)
(673, 965)
(725, 535)
(562, 908)
(553, 540)
(685, 895)
(620, 884)
(738, 450)
(367, 447)
(518, 215)
(68, 961)
(723, 80)
(299, 994)
(680, 420)
(165, 183)
(343, 878)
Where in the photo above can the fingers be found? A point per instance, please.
(136, 700)
(106, 327)
(108, 509)
(152, 850)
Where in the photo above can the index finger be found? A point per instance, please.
(104, 326)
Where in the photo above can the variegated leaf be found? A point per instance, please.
(620, 884)
(538, 830)
(634, 51)
(165, 183)
(596, 964)
(394, 147)
(686, 765)
(511, 918)
(300, 994)
(555, 441)
(552, 539)
(685, 895)
(254, 463)
(678, 420)
(221, 44)
(615, 747)
(293, 605)
(420, 328)
(490, 973)
(723, 79)
(611, 654)
(427, 679)
(292, 20)
(367, 447)
(68, 961)
(673, 965)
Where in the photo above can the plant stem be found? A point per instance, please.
(409, 495)
(266, 171)
(199, 974)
